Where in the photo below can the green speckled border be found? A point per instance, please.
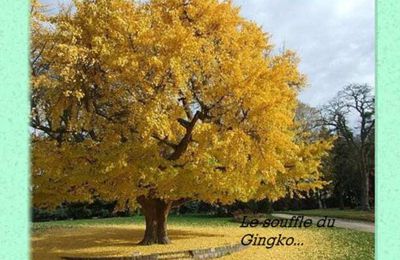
(14, 107)
(388, 134)
(14, 199)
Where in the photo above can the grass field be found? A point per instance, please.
(185, 220)
(336, 213)
(118, 236)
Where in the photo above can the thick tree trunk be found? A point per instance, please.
(156, 213)
(340, 195)
(162, 215)
(365, 191)
(341, 200)
(319, 200)
(364, 183)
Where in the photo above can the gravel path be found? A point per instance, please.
(342, 223)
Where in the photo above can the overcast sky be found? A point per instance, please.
(335, 39)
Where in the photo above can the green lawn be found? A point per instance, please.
(336, 213)
(187, 220)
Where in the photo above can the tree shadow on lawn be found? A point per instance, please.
(105, 241)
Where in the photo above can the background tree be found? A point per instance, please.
(355, 103)
(308, 119)
(345, 178)
(158, 102)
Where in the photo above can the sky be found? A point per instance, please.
(335, 39)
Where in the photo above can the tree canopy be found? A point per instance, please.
(164, 99)
(355, 102)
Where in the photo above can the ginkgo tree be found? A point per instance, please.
(154, 103)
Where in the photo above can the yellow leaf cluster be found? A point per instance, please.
(130, 72)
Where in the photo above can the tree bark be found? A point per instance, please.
(364, 200)
(341, 200)
(156, 213)
(318, 196)
(365, 191)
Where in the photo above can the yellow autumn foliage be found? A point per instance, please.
(116, 84)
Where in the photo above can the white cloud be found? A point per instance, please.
(333, 38)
